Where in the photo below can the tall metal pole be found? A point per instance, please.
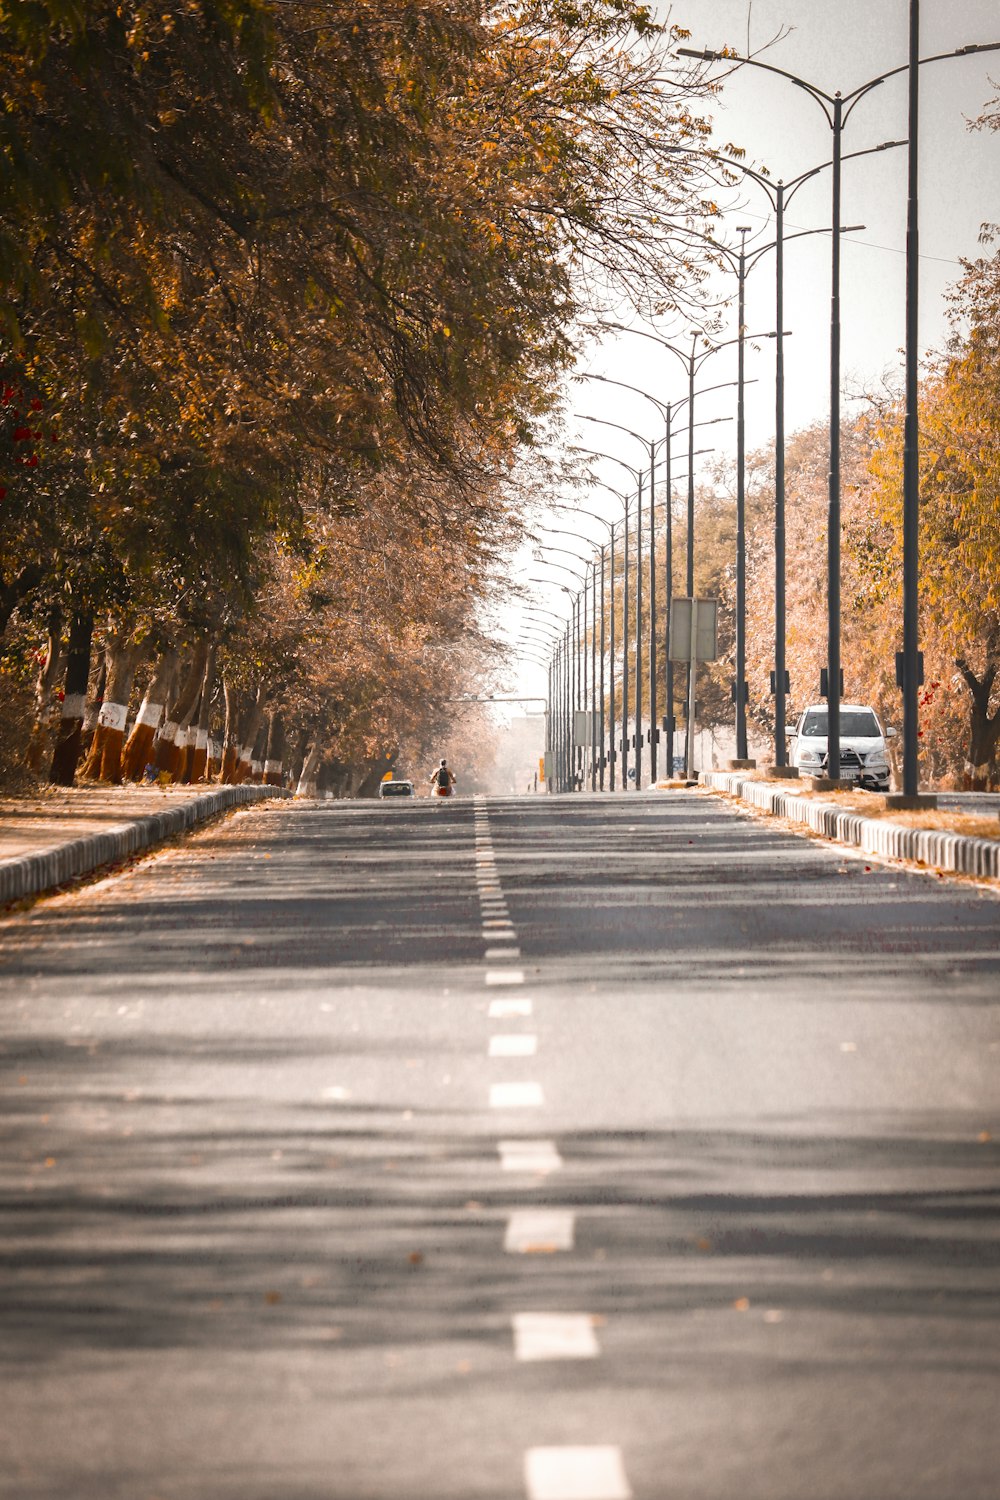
(741, 531)
(653, 730)
(580, 661)
(601, 695)
(911, 436)
(668, 588)
(592, 674)
(612, 722)
(780, 710)
(568, 717)
(625, 604)
(692, 669)
(833, 508)
(638, 635)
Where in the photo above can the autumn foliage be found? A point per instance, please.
(286, 292)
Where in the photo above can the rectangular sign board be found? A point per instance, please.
(706, 643)
(583, 727)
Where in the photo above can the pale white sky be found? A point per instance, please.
(837, 45)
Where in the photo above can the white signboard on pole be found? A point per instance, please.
(583, 727)
(706, 642)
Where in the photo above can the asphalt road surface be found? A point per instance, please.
(567, 1149)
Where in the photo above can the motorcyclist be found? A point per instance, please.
(442, 780)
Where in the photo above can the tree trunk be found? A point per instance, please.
(307, 785)
(984, 728)
(171, 743)
(138, 750)
(248, 729)
(92, 708)
(257, 754)
(274, 756)
(197, 759)
(67, 748)
(45, 691)
(122, 657)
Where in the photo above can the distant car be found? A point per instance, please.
(863, 755)
(395, 789)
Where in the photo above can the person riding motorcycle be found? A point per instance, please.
(442, 780)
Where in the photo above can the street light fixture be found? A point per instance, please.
(837, 109)
(637, 476)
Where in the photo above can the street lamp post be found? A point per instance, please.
(779, 195)
(693, 362)
(650, 447)
(626, 500)
(837, 109)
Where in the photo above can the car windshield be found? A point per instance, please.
(856, 723)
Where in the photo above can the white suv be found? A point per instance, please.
(863, 756)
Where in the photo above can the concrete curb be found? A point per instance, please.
(955, 852)
(31, 874)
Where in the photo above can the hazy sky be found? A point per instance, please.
(837, 44)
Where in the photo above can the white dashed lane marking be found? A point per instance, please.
(497, 955)
(532, 1157)
(502, 1010)
(504, 976)
(520, 1044)
(538, 1231)
(575, 1474)
(554, 1336)
(516, 1096)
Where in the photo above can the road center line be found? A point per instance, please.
(501, 1010)
(539, 1231)
(532, 1157)
(516, 1096)
(514, 1044)
(575, 1474)
(554, 1336)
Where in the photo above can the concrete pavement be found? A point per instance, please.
(688, 1189)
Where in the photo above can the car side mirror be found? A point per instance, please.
(791, 729)
(892, 734)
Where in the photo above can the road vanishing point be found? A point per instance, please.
(502, 1149)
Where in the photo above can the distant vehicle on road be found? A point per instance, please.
(396, 789)
(863, 755)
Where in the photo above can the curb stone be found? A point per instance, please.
(955, 852)
(33, 874)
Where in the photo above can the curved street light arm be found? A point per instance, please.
(553, 583)
(823, 99)
(579, 511)
(661, 406)
(647, 443)
(597, 453)
(545, 563)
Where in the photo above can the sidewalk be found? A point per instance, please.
(895, 835)
(59, 834)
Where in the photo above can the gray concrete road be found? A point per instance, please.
(562, 1149)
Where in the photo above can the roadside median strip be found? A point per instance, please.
(43, 869)
(940, 849)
